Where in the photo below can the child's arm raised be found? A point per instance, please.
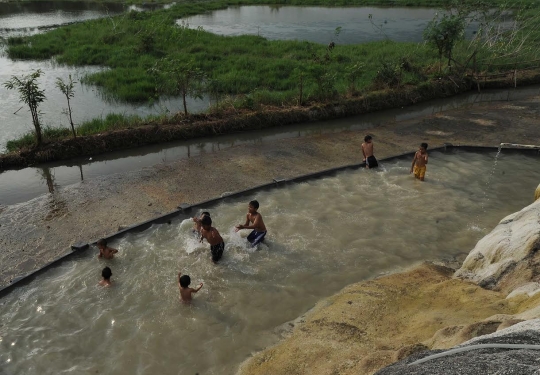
(198, 288)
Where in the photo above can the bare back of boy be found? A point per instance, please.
(211, 235)
(367, 148)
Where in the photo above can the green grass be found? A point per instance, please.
(131, 44)
(255, 69)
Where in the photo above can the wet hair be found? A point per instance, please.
(102, 242)
(206, 220)
(254, 204)
(205, 213)
(424, 145)
(368, 138)
(184, 280)
(106, 273)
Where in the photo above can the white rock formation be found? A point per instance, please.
(513, 242)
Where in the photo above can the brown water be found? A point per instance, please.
(323, 235)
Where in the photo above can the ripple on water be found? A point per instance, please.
(323, 235)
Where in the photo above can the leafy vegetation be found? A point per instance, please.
(151, 54)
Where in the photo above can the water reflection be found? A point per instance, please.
(33, 14)
(318, 24)
(22, 185)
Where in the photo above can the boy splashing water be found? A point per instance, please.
(213, 237)
(254, 221)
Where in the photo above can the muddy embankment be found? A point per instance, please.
(410, 315)
(194, 126)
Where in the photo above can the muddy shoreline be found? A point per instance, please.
(35, 232)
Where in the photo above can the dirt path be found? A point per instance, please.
(35, 232)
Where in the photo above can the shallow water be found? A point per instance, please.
(318, 24)
(26, 16)
(23, 185)
(323, 235)
(23, 18)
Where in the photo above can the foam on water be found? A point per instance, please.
(323, 235)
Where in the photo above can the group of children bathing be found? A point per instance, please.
(204, 230)
(254, 221)
(419, 162)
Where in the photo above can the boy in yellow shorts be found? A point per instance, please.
(419, 162)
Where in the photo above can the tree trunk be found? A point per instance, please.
(184, 101)
(70, 119)
(37, 126)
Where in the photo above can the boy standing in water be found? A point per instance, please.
(367, 151)
(185, 291)
(105, 251)
(419, 162)
(106, 275)
(213, 237)
(254, 221)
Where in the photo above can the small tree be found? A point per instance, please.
(67, 90)
(31, 94)
(353, 73)
(176, 78)
(300, 75)
(444, 33)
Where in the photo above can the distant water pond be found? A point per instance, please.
(34, 14)
(31, 16)
(318, 24)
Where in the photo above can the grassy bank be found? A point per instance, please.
(256, 71)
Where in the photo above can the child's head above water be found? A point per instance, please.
(102, 243)
(254, 204)
(106, 273)
(368, 138)
(206, 221)
(184, 281)
(205, 213)
(424, 146)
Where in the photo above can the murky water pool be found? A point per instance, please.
(323, 235)
(319, 24)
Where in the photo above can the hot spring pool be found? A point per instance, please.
(323, 235)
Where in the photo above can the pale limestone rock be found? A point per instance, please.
(529, 289)
(513, 241)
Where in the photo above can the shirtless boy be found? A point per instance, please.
(213, 237)
(254, 221)
(186, 293)
(105, 251)
(367, 151)
(419, 162)
(106, 277)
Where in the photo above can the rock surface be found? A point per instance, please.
(508, 257)
(481, 361)
(374, 323)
